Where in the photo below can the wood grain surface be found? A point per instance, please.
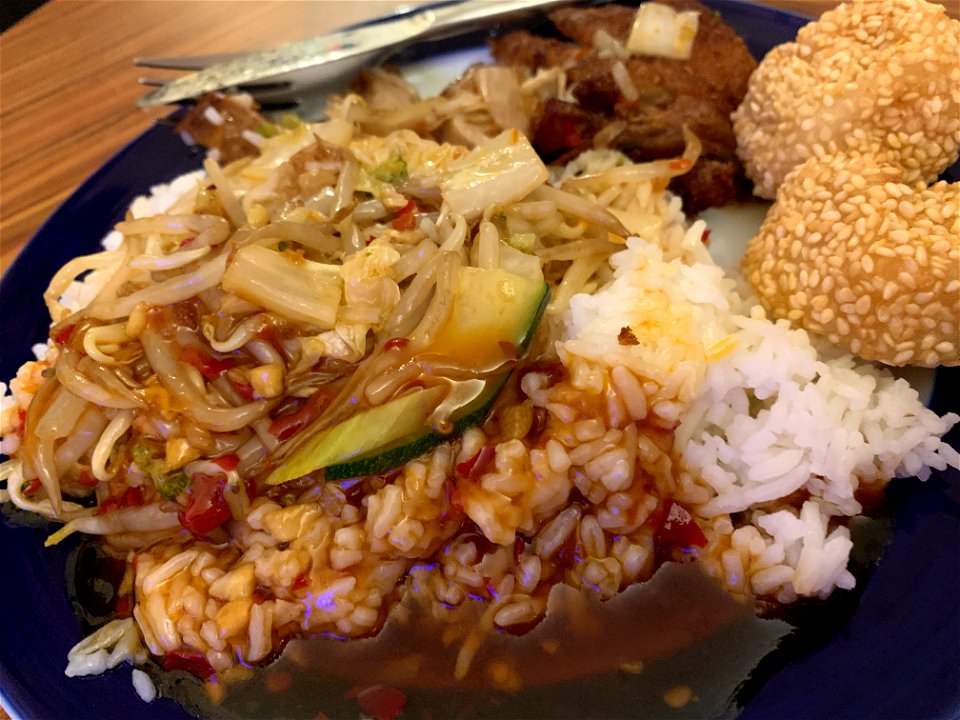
(68, 84)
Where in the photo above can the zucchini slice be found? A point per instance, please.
(490, 308)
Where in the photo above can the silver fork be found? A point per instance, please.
(273, 90)
(277, 92)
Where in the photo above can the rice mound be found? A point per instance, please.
(677, 313)
(764, 426)
(773, 418)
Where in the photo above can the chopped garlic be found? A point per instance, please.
(661, 30)
(266, 380)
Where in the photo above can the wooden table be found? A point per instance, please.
(68, 85)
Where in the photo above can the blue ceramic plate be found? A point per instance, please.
(889, 650)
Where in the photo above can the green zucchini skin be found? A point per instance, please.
(394, 457)
(333, 443)
(412, 448)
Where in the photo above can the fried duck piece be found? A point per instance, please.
(719, 65)
(666, 94)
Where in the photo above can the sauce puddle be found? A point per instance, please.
(625, 657)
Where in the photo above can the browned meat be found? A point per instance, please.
(521, 49)
(219, 121)
(565, 129)
(720, 58)
(700, 93)
(710, 183)
(581, 24)
(654, 132)
(599, 92)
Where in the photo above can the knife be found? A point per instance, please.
(355, 44)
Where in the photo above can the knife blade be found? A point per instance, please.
(337, 47)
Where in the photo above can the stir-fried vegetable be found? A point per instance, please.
(286, 283)
(501, 171)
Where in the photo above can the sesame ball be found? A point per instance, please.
(869, 72)
(851, 251)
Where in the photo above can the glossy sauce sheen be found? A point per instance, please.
(624, 655)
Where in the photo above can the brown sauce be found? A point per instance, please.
(625, 652)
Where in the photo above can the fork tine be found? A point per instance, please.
(265, 86)
(271, 96)
(187, 62)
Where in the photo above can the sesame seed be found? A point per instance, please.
(845, 295)
(907, 209)
(900, 236)
(902, 358)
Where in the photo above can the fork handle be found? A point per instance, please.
(455, 17)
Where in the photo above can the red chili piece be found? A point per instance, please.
(191, 661)
(289, 425)
(300, 582)
(87, 479)
(679, 529)
(206, 508)
(478, 464)
(30, 486)
(455, 502)
(131, 497)
(270, 333)
(380, 702)
(208, 366)
(245, 390)
(123, 607)
(227, 462)
(62, 336)
(405, 218)
(396, 343)
(705, 237)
